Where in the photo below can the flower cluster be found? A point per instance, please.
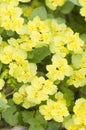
(44, 60)
(80, 111)
(55, 109)
(12, 16)
(38, 91)
(70, 124)
(83, 9)
(23, 72)
(78, 120)
(2, 83)
(53, 4)
(59, 68)
(14, 54)
(39, 32)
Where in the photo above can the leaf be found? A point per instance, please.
(52, 125)
(76, 2)
(68, 95)
(39, 11)
(61, 20)
(35, 120)
(38, 54)
(27, 116)
(10, 33)
(83, 37)
(3, 105)
(0, 66)
(1, 30)
(36, 127)
(11, 114)
(67, 7)
(76, 60)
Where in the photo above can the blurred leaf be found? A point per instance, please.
(76, 2)
(68, 94)
(3, 105)
(52, 125)
(67, 7)
(11, 115)
(38, 54)
(35, 120)
(61, 20)
(83, 37)
(76, 60)
(1, 30)
(36, 127)
(10, 33)
(39, 11)
(0, 66)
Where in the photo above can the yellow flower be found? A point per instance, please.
(83, 9)
(24, 0)
(25, 43)
(2, 83)
(56, 110)
(23, 72)
(38, 91)
(82, 2)
(12, 16)
(52, 4)
(59, 68)
(6, 54)
(75, 44)
(39, 32)
(80, 111)
(18, 98)
(40, 88)
(78, 79)
(71, 125)
(83, 60)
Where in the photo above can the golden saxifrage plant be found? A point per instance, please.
(43, 64)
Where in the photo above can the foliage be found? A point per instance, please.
(43, 64)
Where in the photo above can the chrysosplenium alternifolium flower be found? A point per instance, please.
(38, 91)
(41, 84)
(59, 68)
(52, 4)
(12, 19)
(23, 72)
(39, 32)
(55, 109)
(80, 111)
(83, 8)
(2, 83)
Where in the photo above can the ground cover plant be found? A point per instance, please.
(43, 64)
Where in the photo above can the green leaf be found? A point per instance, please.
(0, 66)
(61, 20)
(39, 11)
(3, 105)
(27, 116)
(35, 119)
(76, 2)
(52, 125)
(10, 33)
(11, 115)
(36, 127)
(1, 30)
(38, 54)
(83, 37)
(67, 7)
(76, 60)
(68, 95)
